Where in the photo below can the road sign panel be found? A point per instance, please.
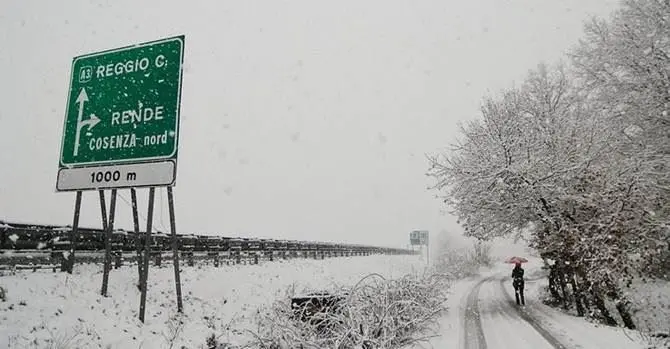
(123, 105)
(116, 176)
(123, 108)
(418, 237)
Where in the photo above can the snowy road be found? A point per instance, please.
(490, 318)
(493, 320)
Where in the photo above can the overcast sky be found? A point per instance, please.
(300, 119)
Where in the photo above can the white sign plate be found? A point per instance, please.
(152, 174)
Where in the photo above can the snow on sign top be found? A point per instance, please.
(123, 105)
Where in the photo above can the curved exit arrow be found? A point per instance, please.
(91, 122)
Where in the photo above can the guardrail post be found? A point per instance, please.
(158, 258)
(118, 261)
(64, 264)
(215, 258)
(190, 261)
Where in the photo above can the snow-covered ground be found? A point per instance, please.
(651, 301)
(44, 306)
(451, 323)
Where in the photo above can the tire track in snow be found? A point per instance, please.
(502, 330)
(473, 335)
(504, 326)
(530, 320)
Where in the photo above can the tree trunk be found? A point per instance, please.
(622, 304)
(583, 293)
(553, 284)
(562, 284)
(600, 304)
(578, 295)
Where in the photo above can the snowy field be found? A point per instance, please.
(68, 309)
(45, 307)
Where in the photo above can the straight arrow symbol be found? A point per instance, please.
(81, 99)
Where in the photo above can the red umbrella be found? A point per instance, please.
(516, 259)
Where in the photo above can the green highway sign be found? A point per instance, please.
(123, 105)
(122, 108)
(418, 237)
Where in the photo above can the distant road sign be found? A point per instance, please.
(418, 237)
(123, 108)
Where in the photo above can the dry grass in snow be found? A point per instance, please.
(375, 313)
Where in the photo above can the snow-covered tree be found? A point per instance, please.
(579, 156)
(624, 64)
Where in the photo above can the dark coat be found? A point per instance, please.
(517, 276)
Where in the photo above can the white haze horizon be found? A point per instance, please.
(304, 120)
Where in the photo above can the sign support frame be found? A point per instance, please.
(69, 263)
(147, 250)
(95, 100)
(109, 228)
(175, 249)
(143, 256)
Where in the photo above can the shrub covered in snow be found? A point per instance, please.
(3, 294)
(462, 262)
(375, 313)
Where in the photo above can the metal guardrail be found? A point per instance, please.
(35, 260)
(33, 267)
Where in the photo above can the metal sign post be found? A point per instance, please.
(121, 130)
(427, 249)
(175, 249)
(136, 228)
(73, 233)
(109, 228)
(147, 250)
